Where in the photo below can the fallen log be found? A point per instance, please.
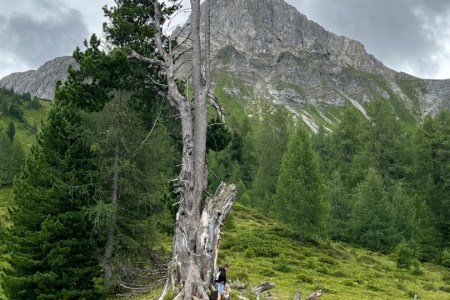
(263, 286)
(315, 295)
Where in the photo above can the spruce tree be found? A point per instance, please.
(12, 158)
(299, 198)
(341, 208)
(373, 215)
(433, 172)
(271, 143)
(52, 255)
(11, 131)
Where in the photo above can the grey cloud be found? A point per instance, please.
(401, 33)
(34, 38)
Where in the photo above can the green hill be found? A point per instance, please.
(24, 130)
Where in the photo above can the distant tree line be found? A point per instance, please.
(373, 182)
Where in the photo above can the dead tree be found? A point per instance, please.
(262, 287)
(198, 222)
(315, 295)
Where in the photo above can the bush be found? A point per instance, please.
(327, 260)
(445, 258)
(304, 279)
(283, 265)
(406, 255)
(267, 273)
(34, 104)
(339, 274)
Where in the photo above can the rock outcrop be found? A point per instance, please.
(265, 51)
(39, 83)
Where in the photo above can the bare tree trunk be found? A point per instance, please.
(198, 223)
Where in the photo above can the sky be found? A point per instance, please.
(412, 36)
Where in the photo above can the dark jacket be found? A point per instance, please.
(222, 276)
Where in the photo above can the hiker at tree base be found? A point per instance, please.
(221, 280)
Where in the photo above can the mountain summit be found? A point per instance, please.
(273, 26)
(266, 53)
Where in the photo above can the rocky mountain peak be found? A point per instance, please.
(273, 26)
(39, 83)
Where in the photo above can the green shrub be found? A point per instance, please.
(445, 258)
(430, 287)
(327, 260)
(282, 265)
(374, 288)
(349, 283)
(339, 274)
(267, 273)
(323, 270)
(249, 253)
(304, 279)
(243, 277)
(310, 264)
(406, 255)
(367, 260)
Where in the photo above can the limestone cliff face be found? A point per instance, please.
(39, 83)
(265, 51)
(273, 26)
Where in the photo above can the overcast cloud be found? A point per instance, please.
(35, 31)
(407, 35)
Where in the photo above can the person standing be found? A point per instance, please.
(221, 281)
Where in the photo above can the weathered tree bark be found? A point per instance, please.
(298, 295)
(315, 295)
(262, 287)
(198, 223)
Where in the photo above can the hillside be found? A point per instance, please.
(260, 249)
(26, 129)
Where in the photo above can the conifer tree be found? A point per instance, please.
(271, 142)
(433, 172)
(373, 215)
(131, 176)
(11, 131)
(12, 158)
(341, 208)
(52, 255)
(299, 198)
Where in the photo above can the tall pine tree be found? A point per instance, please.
(52, 255)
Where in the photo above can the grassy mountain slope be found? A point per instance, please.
(259, 249)
(24, 135)
(5, 202)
